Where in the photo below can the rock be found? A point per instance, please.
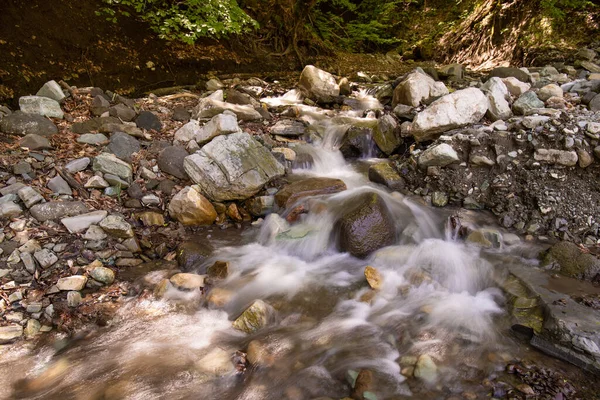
(22, 124)
(170, 161)
(498, 96)
(40, 106)
(22, 167)
(93, 124)
(586, 54)
(32, 328)
(222, 124)
(455, 110)
(123, 112)
(506, 72)
(99, 105)
(74, 299)
(103, 275)
(439, 199)
(210, 106)
(45, 258)
(149, 121)
(116, 226)
(527, 103)
(29, 196)
(590, 66)
(386, 135)
(549, 91)
(94, 232)
(571, 261)
(367, 225)
(59, 186)
(191, 254)
(12, 189)
(190, 207)
(81, 222)
(260, 206)
(181, 114)
(255, 317)
(418, 88)
(217, 362)
(288, 154)
(123, 146)
(385, 174)
(186, 133)
(561, 157)
(77, 165)
(426, 369)
(292, 193)
(214, 84)
(92, 138)
(595, 103)
(75, 282)
(110, 164)
(35, 142)
(318, 85)
(438, 156)
(10, 333)
(219, 270)
(232, 167)
(373, 277)
(288, 127)
(534, 121)
(357, 142)
(186, 281)
(96, 182)
(515, 86)
(585, 159)
(54, 210)
(124, 128)
(452, 72)
(52, 90)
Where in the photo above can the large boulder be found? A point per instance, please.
(318, 85)
(232, 167)
(44, 106)
(366, 226)
(22, 124)
(455, 110)
(417, 88)
(498, 96)
(190, 207)
(569, 260)
(293, 192)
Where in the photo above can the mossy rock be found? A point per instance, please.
(569, 260)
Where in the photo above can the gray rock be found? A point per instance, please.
(81, 222)
(417, 88)
(170, 161)
(52, 90)
(210, 106)
(10, 209)
(552, 156)
(438, 156)
(10, 333)
(12, 189)
(29, 196)
(59, 186)
(103, 275)
(385, 174)
(77, 165)
(498, 96)
(92, 138)
(288, 127)
(590, 66)
(110, 164)
(28, 262)
(149, 121)
(595, 103)
(54, 210)
(318, 85)
(41, 106)
(97, 182)
(74, 299)
(22, 124)
(45, 258)
(75, 282)
(232, 167)
(35, 142)
(181, 114)
(386, 134)
(122, 112)
(586, 54)
(116, 226)
(123, 146)
(187, 132)
(527, 103)
(99, 105)
(22, 167)
(115, 181)
(506, 72)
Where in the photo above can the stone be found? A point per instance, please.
(187, 281)
(52, 90)
(74, 299)
(526, 103)
(255, 317)
(23, 124)
(150, 200)
(217, 362)
(41, 106)
(222, 124)
(75, 282)
(12, 189)
(288, 127)
(439, 155)
(585, 159)
(292, 193)
(149, 121)
(110, 164)
(214, 84)
(534, 121)
(498, 96)
(426, 369)
(116, 226)
(35, 142)
(236, 97)
(124, 128)
(506, 72)
(191, 254)
(260, 206)
(595, 103)
(22, 167)
(123, 146)
(190, 207)
(10, 333)
(54, 210)
(590, 66)
(28, 262)
(99, 105)
(96, 182)
(94, 232)
(463, 107)
(92, 125)
(92, 138)
(357, 142)
(552, 156)
(170, 161)
(219, 270)
(10, 209)
(123, 112)
(515, 86)
(365, 226)
(32, 328)
(210, 106)
(569, 260)
(439, 199)
(288, 154)
(45, 258)
(418, 88)
(452, 72)
(82, 222)
(373, 277)
(386, 135)
(59, 186)
(29, 196)
(77, 165)
(586, 54)
(383, 173)
(548, 91)
(232, 167)
(103, 275)
(151, 218)
(181, 114)
(318, 85)
(186, 133)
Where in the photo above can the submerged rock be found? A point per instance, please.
(568, 259)
(190, 207)
(255, 317)
(293, 192)
(385, 174)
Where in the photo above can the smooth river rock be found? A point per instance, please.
(293, 192)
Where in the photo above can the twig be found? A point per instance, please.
(72, 182)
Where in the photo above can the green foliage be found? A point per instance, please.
(185, 20)
(557, 9)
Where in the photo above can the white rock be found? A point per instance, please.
(52, 90)
(498, 96)
(45, 258)
(75, 282)
(77, 165)
(438, 156)
(40, 105)
(317, 84)
(417, 88)
(187, 132)
(81, 222)
(29, 196)
(222, 124)
(515, 86)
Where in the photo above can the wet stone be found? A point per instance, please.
(10, 333)
(103, 275)
(187, 281)
(149, 121)
(255, 317)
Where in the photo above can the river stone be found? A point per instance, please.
(290, 194)
(59, 186)
(123, 146)
(191, 254)
(498, 96)
(22, 124)
(463, 107)
(9, 333)
(35, 142)
(255, 317)
(149, 121)
(29, 196)
(357, 142)
(232, 167)
(548, 91)
(9, 209)
(52, 90)
(217, 362)
(190, 207)
(506, 72)
(590, 66)
(103, 275)
(318, 85)
(213, 105)
(418, 88)
(527, 103)
(426, 369)
(383, 173)
(54, 210)
(41, 106)
(77, 165)
(109, 164)
(187, 281)
(288, 127)
(116, 226)
(595, 103)
(568, 258)
(81, 222)
(92, 138)
(386, 135)
(515, 86)
(170, 160)
(438, 156)
(222, 124)
(123, 112)
(260, 206)
(75, 282)
(45, 258)
(552, 156)
(373, 277)
(366, 226)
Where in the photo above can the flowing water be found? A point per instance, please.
(437, 298)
